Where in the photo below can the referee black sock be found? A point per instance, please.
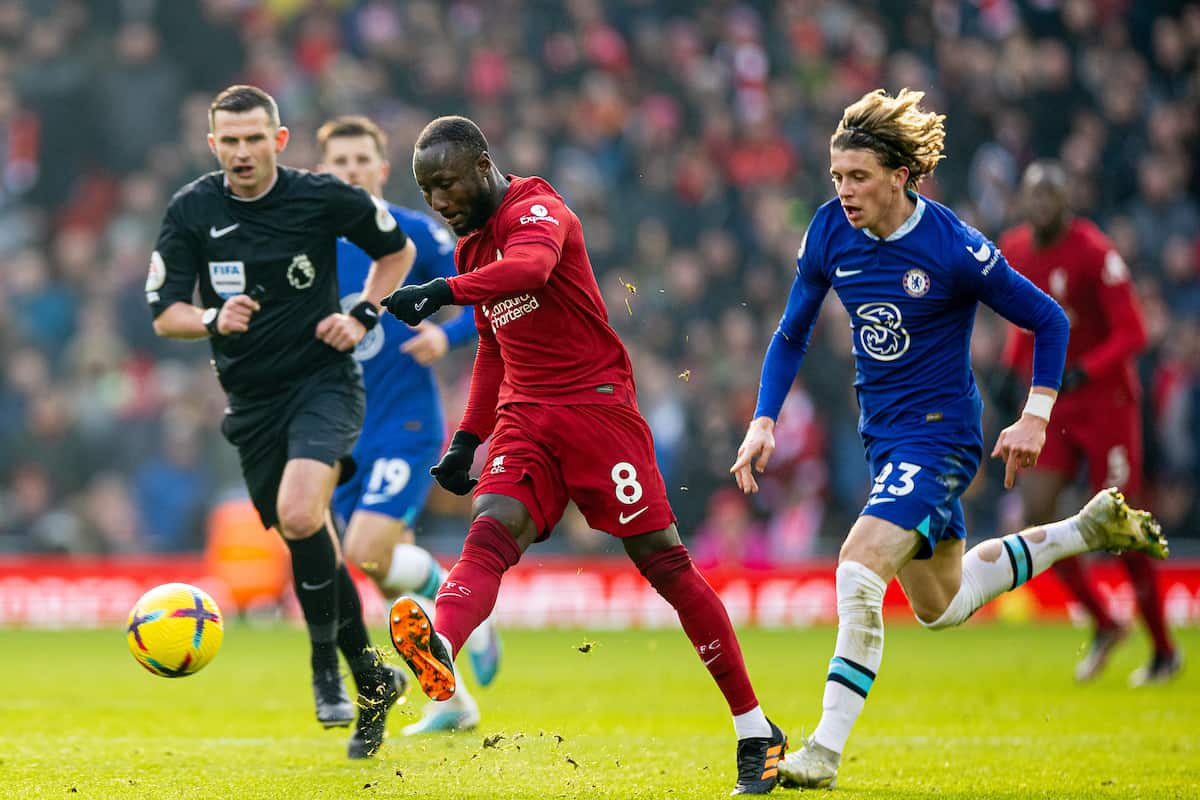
(315, 576)
(352, 637)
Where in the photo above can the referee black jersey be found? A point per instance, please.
(284, 241)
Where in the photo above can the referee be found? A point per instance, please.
(260, 241)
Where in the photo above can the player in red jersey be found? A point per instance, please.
(553, 386)
(1097, 420)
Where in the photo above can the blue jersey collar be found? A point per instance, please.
(908, 224)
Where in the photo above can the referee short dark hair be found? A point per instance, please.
(241, 98)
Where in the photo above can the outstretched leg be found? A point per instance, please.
(382, 546)
(500, 532)
(999, 565)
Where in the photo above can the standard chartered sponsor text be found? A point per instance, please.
(511, 309)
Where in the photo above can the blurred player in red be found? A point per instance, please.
(1097, 420)
(553, 386)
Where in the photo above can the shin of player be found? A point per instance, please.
(563, 422)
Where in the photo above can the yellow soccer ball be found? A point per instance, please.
(174, 630)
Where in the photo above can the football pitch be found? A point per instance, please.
(989, 711)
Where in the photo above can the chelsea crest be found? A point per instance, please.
(916, 282)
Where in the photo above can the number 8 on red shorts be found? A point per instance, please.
(600, 456)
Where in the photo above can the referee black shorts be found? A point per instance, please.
(318, 418)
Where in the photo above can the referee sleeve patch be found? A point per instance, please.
(157, 275)
(383, 217)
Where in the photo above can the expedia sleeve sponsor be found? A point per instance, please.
(538, 213)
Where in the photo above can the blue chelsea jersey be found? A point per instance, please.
(911, 299)
(402, 396)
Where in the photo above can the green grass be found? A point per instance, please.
(985, 712)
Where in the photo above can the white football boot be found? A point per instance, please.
(1108, 523)
(810, 767)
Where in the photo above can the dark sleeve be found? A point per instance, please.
(175, 264)
(364, 220)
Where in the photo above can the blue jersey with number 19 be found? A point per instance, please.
(912, 299)
(404, 427)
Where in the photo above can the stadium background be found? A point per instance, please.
(692, 139)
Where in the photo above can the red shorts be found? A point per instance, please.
(600, 456)
(1108, 439)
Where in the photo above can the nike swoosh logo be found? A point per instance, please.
(876, 500)
(420, 305)
(714, 658)
(217, 233)
(982, 253)
(845, 273)
(315, 587)
(624, 520)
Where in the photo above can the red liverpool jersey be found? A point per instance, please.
(1085, 274)
(542, 339)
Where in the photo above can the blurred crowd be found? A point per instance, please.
(691, 138)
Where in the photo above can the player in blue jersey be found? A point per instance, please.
(910, 275)
(404, 429)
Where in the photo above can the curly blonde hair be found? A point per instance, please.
(896, 129)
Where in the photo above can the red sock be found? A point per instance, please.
(1071, 572)
(468, 594)
(1144, 578)
(704, 620)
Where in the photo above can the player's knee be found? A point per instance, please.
(859, 596)
(508, 512)
(937, 616)
(931, 617)
(939, 622)
(299, 521)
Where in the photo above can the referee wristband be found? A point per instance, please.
(1039, 405)
(365, 312)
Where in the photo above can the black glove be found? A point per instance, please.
(1073, 378)
(453, 472)
(411, 304)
